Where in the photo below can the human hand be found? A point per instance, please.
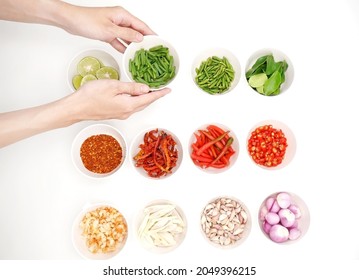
(107, 24)
(112, 99)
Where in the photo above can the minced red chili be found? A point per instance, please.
(267, 146)
(101, 153)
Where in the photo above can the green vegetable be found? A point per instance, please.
(266, 75)
(215, 75)
(154, 67)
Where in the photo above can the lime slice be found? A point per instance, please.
(76, 81)
(88, 65)
(257, 80)
(87, 78)
(101, 63)
(107, 72)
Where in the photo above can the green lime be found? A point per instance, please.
(260, 89)
(257, 80)
(76, 81)
(88, 65)
(87, 78)
(107, 72)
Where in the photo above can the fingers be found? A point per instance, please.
(146, 99)
(128, 34)
(117, 45)
(131, 88)
(128, 20)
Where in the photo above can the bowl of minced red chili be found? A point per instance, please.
(99, 150)
(271, 144)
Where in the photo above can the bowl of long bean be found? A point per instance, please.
(216, 71)
(153, 61)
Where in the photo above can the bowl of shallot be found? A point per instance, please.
(284, 218)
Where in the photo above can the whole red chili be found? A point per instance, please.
(267, 146)
(158, 153)
(101, 153)
(212, 148)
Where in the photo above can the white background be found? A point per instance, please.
(41, 192)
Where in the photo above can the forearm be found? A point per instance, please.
(50, 12)
(21, 124)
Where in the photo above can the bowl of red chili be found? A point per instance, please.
(156, 153)
(213, 148)
(271, 144)
(99, 150)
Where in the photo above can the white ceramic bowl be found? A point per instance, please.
(87, 132)
(302, 222)
(278, 56)
(247, 226)
(139, 139)
(290, 150)
(220, 52)
(235, 146)
(79, 241)
(178, 238)
(148, 42)
(104, 56)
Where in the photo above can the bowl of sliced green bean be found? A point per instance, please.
(153, 61)
(269, 72)
(216, 71)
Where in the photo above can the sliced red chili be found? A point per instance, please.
(267, 146)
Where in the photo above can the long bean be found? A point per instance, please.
(215, 75)
(154, 67)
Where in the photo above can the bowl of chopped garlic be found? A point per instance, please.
(99, 232)
(161, 226)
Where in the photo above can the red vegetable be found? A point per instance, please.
(158, 154)
(267, 146)
(213, 148)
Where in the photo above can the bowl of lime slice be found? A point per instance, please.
(90, 65)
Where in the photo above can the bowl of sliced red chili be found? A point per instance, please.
(156, 153)
(271, 144)
(99, 150)
(213, 148)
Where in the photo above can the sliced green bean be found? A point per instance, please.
(154, 67)
(215, 75)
